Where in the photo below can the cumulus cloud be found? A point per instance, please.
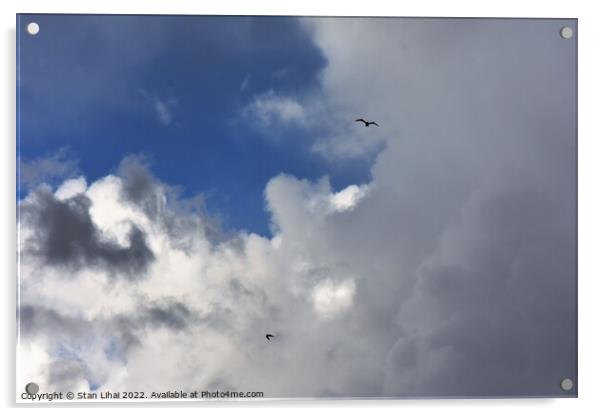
(475, 190)
(218, 294)
(452, 272)
(348, 198)
(63, 234)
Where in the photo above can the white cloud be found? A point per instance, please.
(329, 124)
(333, 133)
(331, 298)
(232, 292)
(271, 110)
(71, 187)
(348, 198)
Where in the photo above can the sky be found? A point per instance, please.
(174, 88)
(189, 184)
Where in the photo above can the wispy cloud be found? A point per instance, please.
(163, 112)
(245, 83)
(270, 109)
(163, 107)
(47, 169)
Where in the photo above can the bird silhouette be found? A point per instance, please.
(268, 336)
(367, 123)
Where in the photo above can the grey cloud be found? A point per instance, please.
(470, 226)
(70, 338)
(127, 330)
(36, 320)
(162, 203)
(175, 315)
(139, 186)
(167, 313)
(49, 169)
(65, 374)
(128, 334)
(66, 337)
(65, 235)
(490, 302)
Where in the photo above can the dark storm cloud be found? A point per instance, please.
(471, 219)
(490, 302)
(66, 236)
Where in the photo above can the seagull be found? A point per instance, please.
(367, 123)
(268, 336)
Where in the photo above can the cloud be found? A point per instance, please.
(214, 295)
(71, 188)
(162, 203)
(473, 195)
(163, 112)
(269, 110)
(50, 169)
(139, 187)
(245, 82)
(82, 353)
(65, 235)
(329, 126)
(450, 273)
(348, 198)
(163, 107)
(175, 315)
(330, 298)
(484, 301)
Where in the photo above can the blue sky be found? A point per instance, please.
(173, 89)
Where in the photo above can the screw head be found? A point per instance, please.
(566, 32)
(566, 384)
(32, 388)
(33, 28)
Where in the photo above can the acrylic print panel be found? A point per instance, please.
(281, 207)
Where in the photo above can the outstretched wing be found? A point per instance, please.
(361, 119)
(373, 122)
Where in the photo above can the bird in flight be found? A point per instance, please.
(268, 336)
(367, 123)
